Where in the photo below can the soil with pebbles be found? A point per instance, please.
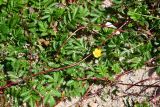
(146, 88)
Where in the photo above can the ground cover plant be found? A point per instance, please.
(52, 49)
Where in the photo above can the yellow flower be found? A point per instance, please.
(97, 53)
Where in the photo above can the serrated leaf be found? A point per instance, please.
(46, 98)
(75, 12)
(56, 93)
(51, 102)
(69, 16)
(26, 93)
(27, 98)
(116, 68)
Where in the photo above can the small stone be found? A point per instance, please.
(107, 3)
(92, 104)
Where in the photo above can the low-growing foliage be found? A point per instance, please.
(46, 46)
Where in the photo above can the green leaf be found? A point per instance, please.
(75, 12)
(47, 98)
(51, 102)
(26, 93)
(27, 98)
(69, 83)
(69, 16)
(116, 68)
(4, 29)
(56, 93)
(1, 2)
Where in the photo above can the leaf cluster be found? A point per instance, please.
(37, 35)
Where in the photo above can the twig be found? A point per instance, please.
(106, 80)
(85, 95)
(132, 94)
(122, 74)
(146, 87)
(151, 78)
(153, 99)
(139, 85)
(114, 32)
(42, 72)
(80, 28)
(92, 78)
(58, 69)
(120, 28)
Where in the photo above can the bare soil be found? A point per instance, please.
(131, 87)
